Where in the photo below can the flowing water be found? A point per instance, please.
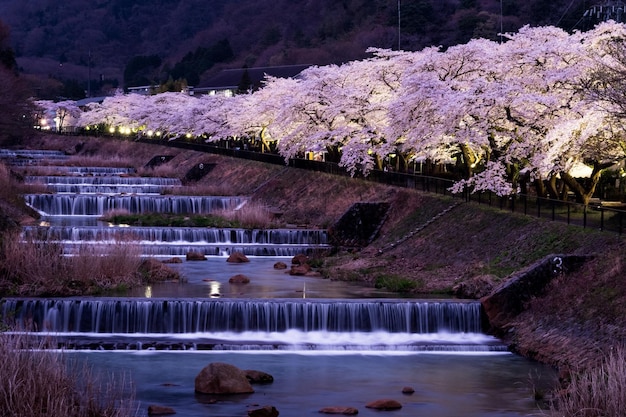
(326, 343)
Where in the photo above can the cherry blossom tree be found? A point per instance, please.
(527, 110)
(63, 114)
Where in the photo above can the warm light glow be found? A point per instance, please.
(150, 133)
(112, 129)
(188, 135)
(148, 293)
(214, 290)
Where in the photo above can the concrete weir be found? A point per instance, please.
(510, 298)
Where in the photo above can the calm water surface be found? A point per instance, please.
(446, 385)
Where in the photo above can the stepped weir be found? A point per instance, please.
(248, 324)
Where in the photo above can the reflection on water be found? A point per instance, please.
(446, 385)
(209, 279)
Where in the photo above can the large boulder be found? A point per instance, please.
(195, 256)
(160, 410)
(156, 271)
(237, 258)
(239, 279)
(384, 404)
(280, 265)
(222, 378)
(258, 377)
(302, 269)
(300, 259)
(346, 411)
(265, 411)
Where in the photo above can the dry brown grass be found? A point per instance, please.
(38, 268)
(596, 392)
(250, 215)
(199, 190)
(163, 171)
(43, 383)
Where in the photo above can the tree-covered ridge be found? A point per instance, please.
(106, 35)
(510, 115)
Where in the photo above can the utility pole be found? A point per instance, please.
(399, 48)
(89, 74)
(501, 24)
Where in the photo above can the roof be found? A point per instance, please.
(88, 100)
(231, 78)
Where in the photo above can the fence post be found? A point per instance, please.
(584, 216)
(601, 218)
(569, 207)
(539, 208)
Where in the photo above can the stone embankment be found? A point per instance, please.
(505, 302)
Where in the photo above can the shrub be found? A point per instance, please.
(40, 383)
(39, 267)
(596, 392)
(395, 283)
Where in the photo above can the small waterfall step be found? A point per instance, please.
(148, 316)
(21, 157)
(85, 171)
(214, 249)
(102, 180)
(97, 205)
(177, 235)
(272, 324)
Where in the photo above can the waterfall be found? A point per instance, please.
(102, 180)
(92, 171)
(97, 205)
(197, 235)
(176, 316)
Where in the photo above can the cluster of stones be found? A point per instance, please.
(300, 265)
(220, 378)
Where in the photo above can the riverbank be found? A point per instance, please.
(436, 243)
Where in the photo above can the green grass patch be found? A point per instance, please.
(395, 283)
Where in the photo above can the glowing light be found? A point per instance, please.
(112, 129)
(150, 133)
(214, 289)
(188, 135)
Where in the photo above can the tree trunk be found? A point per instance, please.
(584, 193)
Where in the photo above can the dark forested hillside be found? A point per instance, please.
(97, 39)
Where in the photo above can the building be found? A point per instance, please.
(229, 82)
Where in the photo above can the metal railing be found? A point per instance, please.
(596, 216)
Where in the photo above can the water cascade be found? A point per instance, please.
(379, 324)
(177, 241)
(104, 184)
(97, 205)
